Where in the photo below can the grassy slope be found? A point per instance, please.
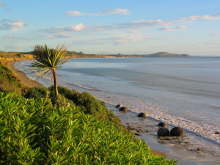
(8, 81)
(82, 131)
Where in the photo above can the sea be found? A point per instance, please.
(182, 91)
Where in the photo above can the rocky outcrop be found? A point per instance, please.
(162, 124)
(177, 131)
(163, 132)
(142, 114)
(118, 106)
(123, 109)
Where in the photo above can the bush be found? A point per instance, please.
(88, 103)
(35, 93)
(34, 132)
(8, 81)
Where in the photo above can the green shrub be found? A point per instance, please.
(35, 93)
(32, 131)
(88, 103)
(8, 81)
(7, 74)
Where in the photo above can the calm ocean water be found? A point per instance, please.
(187, 87)
(183, 86)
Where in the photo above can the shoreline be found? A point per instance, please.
(28, 82)
(206, 131)
(189, 149)
(155, 117)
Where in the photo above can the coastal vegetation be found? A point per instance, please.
(34, 132)
(48, 60)
(78, 130)
(8, 81)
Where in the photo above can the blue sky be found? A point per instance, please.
(115, 26)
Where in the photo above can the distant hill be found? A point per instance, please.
(166, 54)
(158, 54)
(17, 56)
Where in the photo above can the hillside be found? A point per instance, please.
(158, 54)
(166, 54)
(81, 130)
(17, 56)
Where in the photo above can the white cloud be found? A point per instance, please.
(168, 28)
(118, 11)
(78, 27)
(131, 36)
(11, 25)
(168, 25)
(63, 32)
(74, 13)
(203, 17)
(163, 25)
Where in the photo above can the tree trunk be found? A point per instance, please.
(55, 83)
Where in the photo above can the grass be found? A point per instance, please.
(35, 93)
(8, 81)
(34, 132)
(81, 130)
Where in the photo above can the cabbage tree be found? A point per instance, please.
(47, 60)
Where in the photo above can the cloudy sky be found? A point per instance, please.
(114, 26)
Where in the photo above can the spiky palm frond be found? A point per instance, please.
(46, 59)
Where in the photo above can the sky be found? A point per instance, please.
(114, 26)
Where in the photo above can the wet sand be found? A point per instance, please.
(188, 150)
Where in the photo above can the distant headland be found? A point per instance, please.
(17, 56)
(158, 54)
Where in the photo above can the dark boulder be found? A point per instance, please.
(137, 134)
(177, 131)
(123, 109)
(118, 106)
(163, 132)
(162, 124)
(142, 115)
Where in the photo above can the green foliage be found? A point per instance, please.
(86, 101)
(8, 81)
(88, 104)
(35, 93)
(48, 60)
(32, 131)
